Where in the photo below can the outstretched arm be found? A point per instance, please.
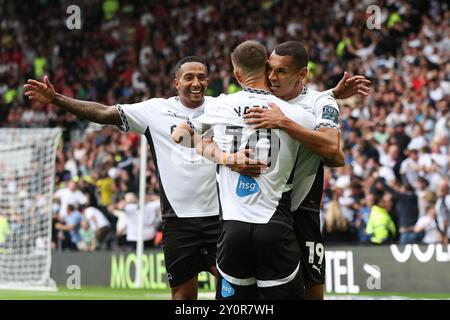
(349, 86)
(96, 112)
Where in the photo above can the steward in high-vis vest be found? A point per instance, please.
(380, 226)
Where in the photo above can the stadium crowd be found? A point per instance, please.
(396, 141)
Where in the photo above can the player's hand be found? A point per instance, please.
(40, 92)
(348, 87)
(265, 118)
(241, 162)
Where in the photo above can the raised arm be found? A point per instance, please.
(349, 86)
(96, 112)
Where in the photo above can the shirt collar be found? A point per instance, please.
(259, 91)
(304, 91)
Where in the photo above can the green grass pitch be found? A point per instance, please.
(104, 293)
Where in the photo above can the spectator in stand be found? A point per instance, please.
(336, 227)
(70, 228)
(442, 128)
(406, 209)
(71, 195)
(363, 217)
(106, 187)
(122, 222)
(88, 240)
(380, 226)
(442, 208)
(100, 225)
(418, 140)
(421, 190)
(87, 186)
(380, 135)
(426, 228)
(401, 140)
(410, 168)
(151, 220)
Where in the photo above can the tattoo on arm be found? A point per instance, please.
(92, 111)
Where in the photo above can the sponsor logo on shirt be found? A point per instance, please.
(246, 186)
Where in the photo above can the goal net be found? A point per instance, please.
(27, 170)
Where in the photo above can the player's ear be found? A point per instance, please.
(303, 73)
(237, 75)
(176, 83)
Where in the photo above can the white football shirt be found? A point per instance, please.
(308, 176)
(243, 198)
(187, 180)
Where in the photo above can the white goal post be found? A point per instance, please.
(27, 173)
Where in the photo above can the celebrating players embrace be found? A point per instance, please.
(257, 227)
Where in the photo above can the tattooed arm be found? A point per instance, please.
(92, 111)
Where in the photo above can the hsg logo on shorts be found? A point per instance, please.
(227, 289)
